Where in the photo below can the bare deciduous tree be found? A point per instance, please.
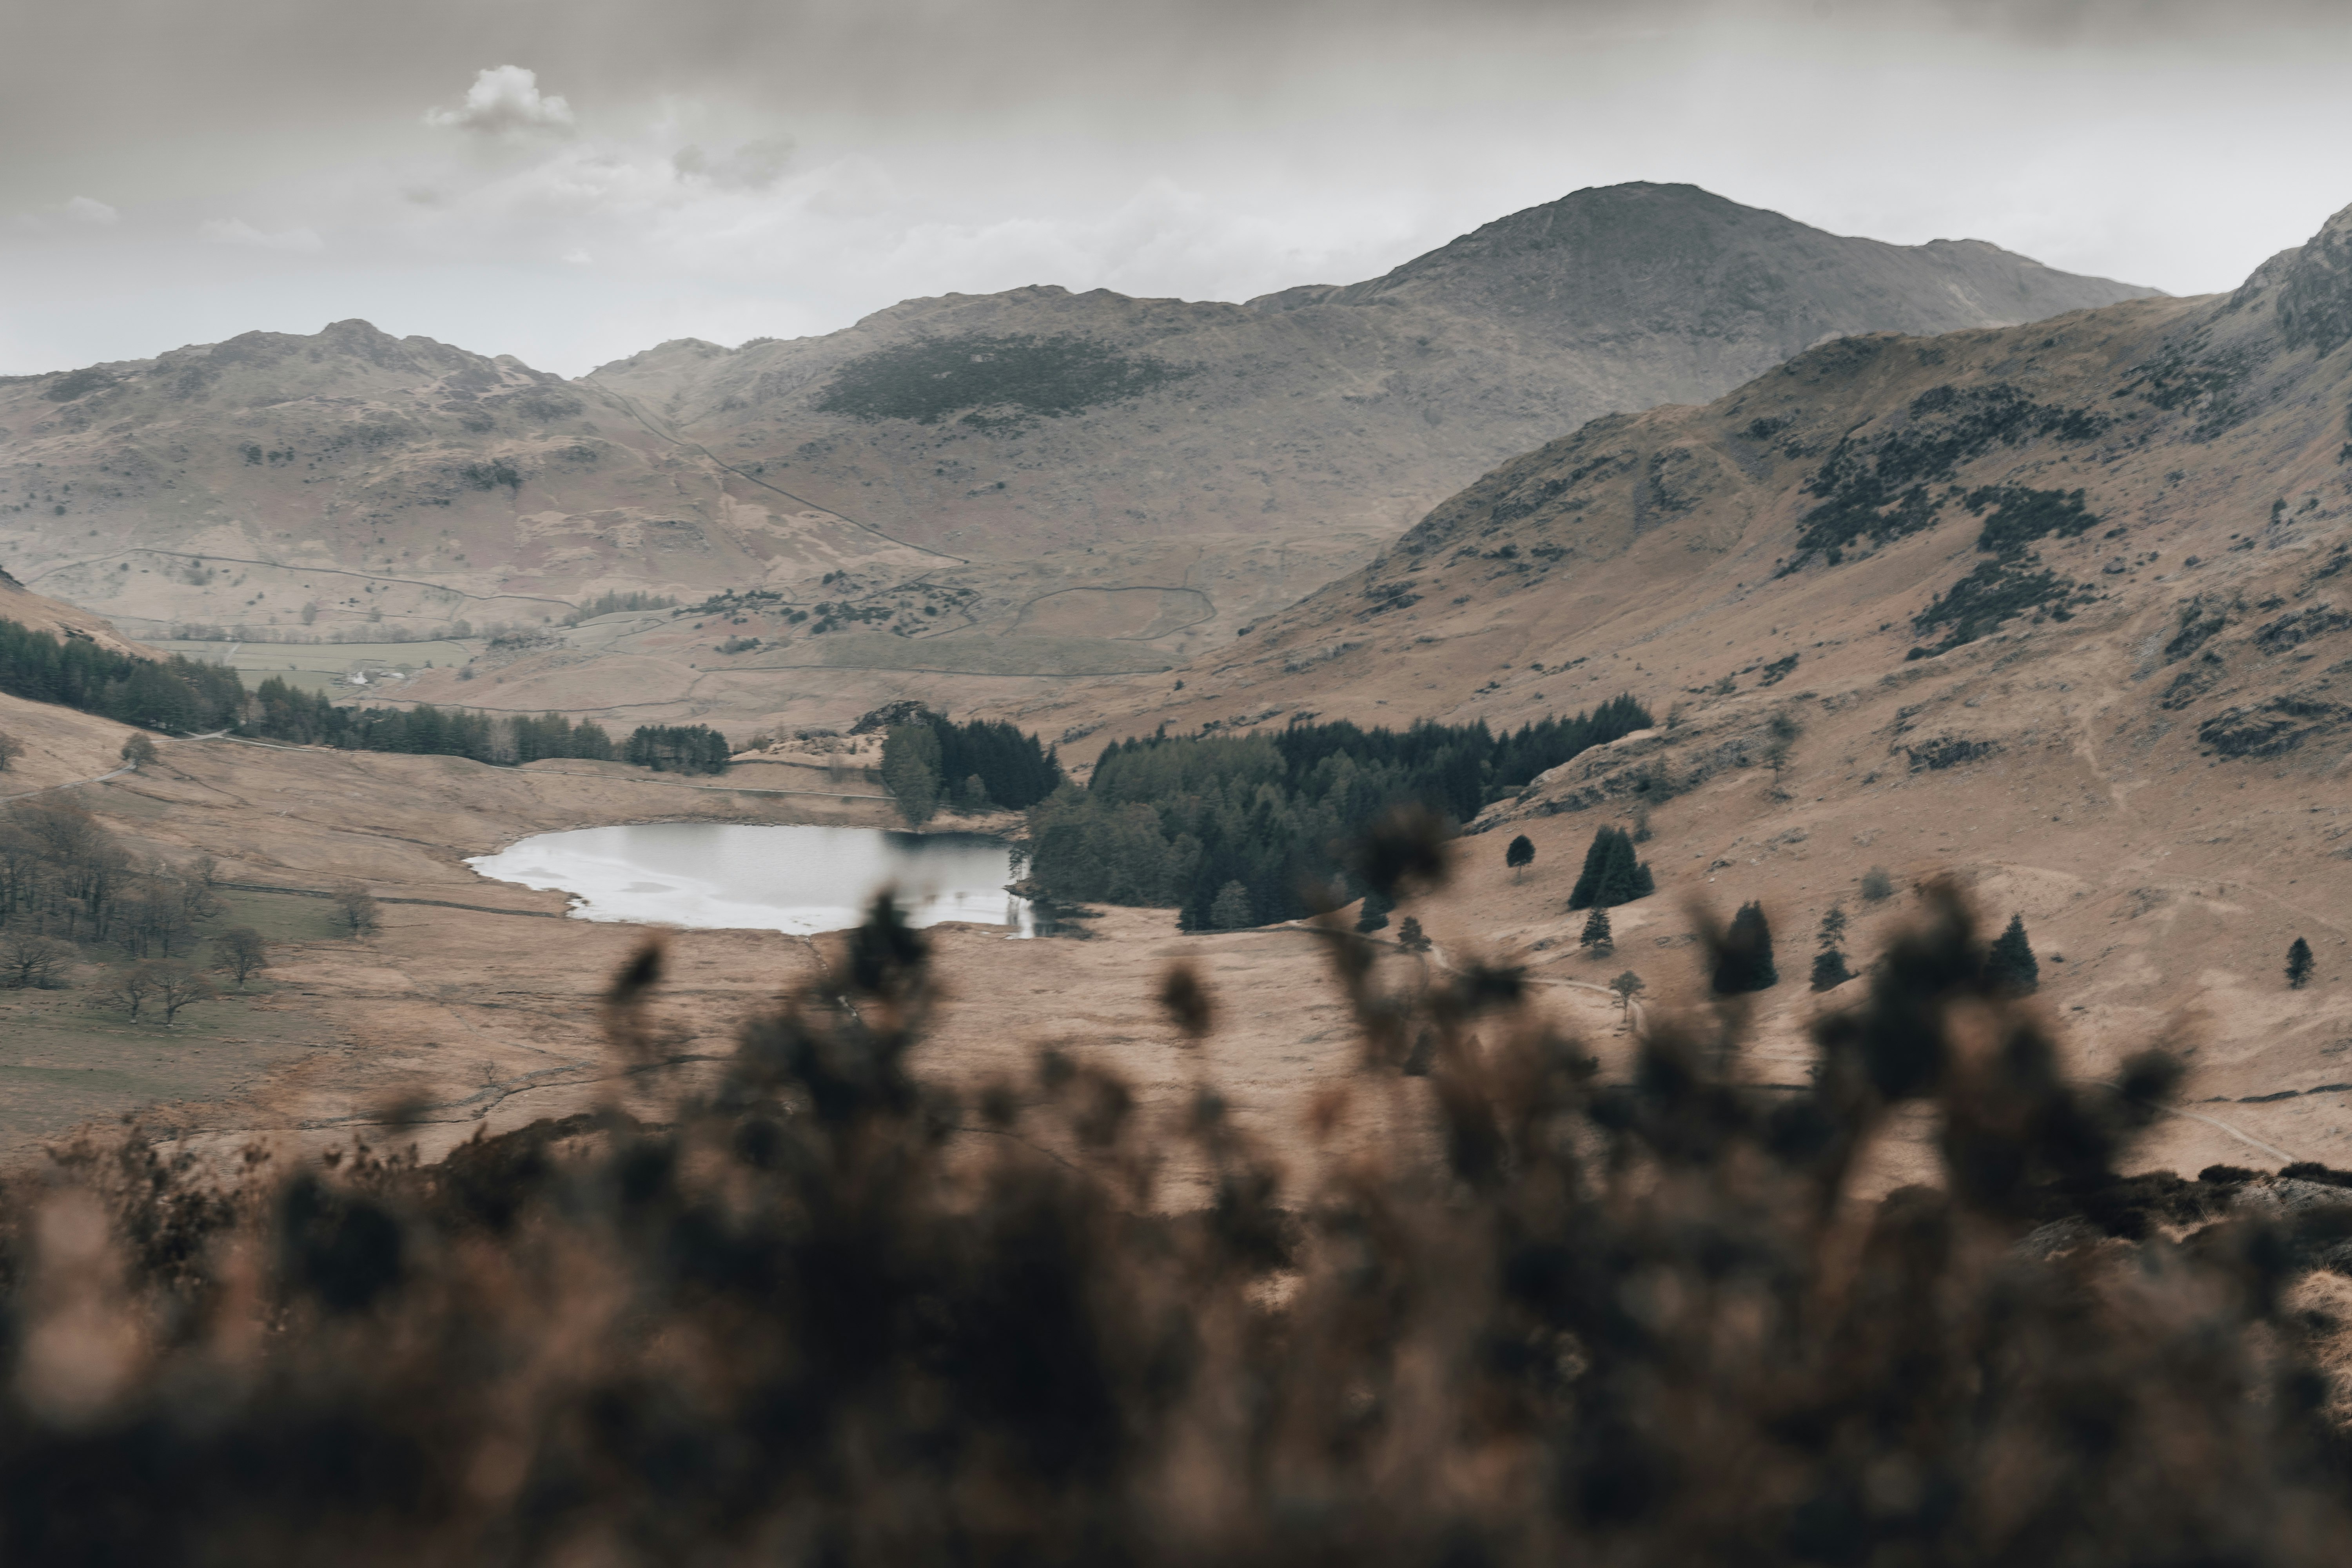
(31, 961)
(240, 950)
(130, 989)
(172, 983)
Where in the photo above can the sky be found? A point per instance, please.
(572, 180)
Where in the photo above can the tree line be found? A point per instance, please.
(182, 696)
(64, 876)
(174, 694)
(1245, 830)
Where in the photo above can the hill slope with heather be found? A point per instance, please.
(2065, 609)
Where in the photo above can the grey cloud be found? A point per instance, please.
(956, 144)
(753, 166)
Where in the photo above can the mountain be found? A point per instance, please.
(1019, 423)
(2063, 609)
(1020, 486)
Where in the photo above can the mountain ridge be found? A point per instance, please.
(944, 467)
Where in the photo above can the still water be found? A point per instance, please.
(798, 880)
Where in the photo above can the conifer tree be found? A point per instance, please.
(1374, 915)
(1410, 937)
(2011, 967)
(1612, 874)
(1597, 939)
(910, 771)
(1588, 881)
(1830, 969)
(1519, 856)
(1745, 961)
(2298, 964)
(1231, 910)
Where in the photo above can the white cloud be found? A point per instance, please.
(237, 231)
(89, 209)
(503, 100)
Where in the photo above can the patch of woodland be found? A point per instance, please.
(994, 383)
(1237, 831)
(978, 765)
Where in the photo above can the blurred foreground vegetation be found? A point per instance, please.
(827, 1311)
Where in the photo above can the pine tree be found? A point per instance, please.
(1829, 970)
(2011, 967)
(1410, 937)
(1596, 939)
(1231, 910)
(1519, 856)
(1612, 874)
(910, 771)
(1374, 915)
(2298, 964)
(1745, 961)
(1596, 860)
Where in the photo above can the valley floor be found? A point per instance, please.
(476, 1007)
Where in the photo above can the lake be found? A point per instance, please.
(734, 876)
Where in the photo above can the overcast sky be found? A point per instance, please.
(573, 180)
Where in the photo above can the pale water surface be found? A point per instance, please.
(798, 880)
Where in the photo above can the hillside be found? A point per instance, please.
(969, 495)
(2065, 609)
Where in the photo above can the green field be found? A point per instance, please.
(314, 667)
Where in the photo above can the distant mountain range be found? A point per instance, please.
(1071, 483)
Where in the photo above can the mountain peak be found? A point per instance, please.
(1608, 263)
(2314, 291)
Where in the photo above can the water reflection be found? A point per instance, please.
(800, 880)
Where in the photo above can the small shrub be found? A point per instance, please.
(355, 907)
